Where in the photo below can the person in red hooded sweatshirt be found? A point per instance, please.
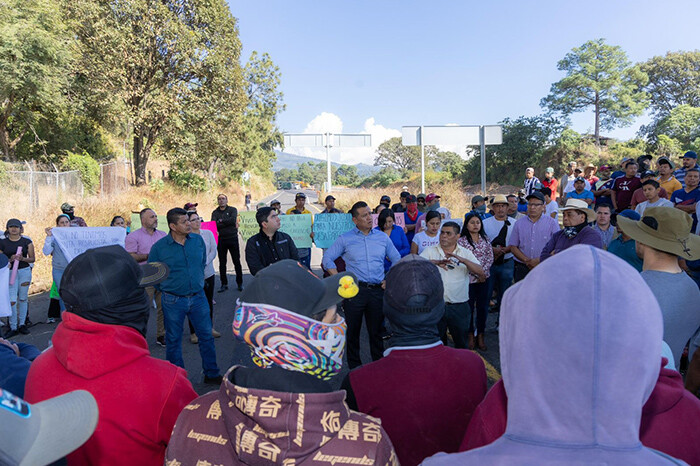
(100, 346)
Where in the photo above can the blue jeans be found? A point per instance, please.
(57, 275)
(306, 260)
(501, 278)
(196, 308)
(19, 292)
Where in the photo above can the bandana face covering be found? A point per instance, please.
(294, 342)
(571, 232)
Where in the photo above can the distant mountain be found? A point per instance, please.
(290, 161)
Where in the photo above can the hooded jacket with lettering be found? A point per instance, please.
(139, 397)
(238, 425)
(577, 376)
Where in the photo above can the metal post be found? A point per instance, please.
(58, 197)
(422, 163)
(328, 160)
(31, 187)
(482, 142)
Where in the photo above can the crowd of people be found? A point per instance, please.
(593, 283)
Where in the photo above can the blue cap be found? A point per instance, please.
(631, 214)
(690, 155)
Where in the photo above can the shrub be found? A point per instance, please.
(185, 178)
(88, 168)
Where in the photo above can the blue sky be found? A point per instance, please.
(378, 65)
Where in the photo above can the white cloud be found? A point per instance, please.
(330, 122)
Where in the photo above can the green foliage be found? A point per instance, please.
(449, 162)
(88, 168)
(383, 178)
(346, 175)
(156, 185)
(599, 75)
(35, 58)
(674, 80)
(632, 148)
(405, 159)
(668, 146)
(185, 178)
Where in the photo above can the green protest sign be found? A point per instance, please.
(299, 228)
(248, 225)
(328, 227)
(136, 223)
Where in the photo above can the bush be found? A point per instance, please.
(88, 168)
(156, 185)
(186, 178)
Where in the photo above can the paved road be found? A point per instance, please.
(229, 351)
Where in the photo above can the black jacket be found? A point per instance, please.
(261, 252)
(226, 222)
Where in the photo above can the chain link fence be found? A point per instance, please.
(30, 187)
(115, 177)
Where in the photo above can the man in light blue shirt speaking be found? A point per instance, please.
(363, 249)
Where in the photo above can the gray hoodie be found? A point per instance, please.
(577, 376)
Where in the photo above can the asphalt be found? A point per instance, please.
(229, 351)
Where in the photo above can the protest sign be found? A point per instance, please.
(328, 227)
(400, 220)
(136, 223)
(299, 228)
(211, 226)
(248, 225)
(74, 241)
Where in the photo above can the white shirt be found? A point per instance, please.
(570, 186)
(424, 241)
(662, 202)
(552, 207)
(455, 281)
(492, 227)
(210, 243)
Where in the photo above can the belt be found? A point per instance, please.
(369, 285)
(181, 295)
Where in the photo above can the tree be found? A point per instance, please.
(392, 153)
(674, 80)
(152, 57)
(449, 162)
(599, 76)
(35, 58)
(347, 175)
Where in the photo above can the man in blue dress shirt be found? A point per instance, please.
(363, 249)
(183, 292)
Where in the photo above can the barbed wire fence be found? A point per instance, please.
(32, 185)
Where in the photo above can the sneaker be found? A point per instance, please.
(223, 288)
(23, 330)
(161, 341)
(51, 320)
(11, 333)
(193, 338)
(214, 380)
(240, 287)
(214, 333)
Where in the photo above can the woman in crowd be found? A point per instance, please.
(474, 238)
(59, 261)
(210, 242)
(19, 290)
(118, 221)
(387, 224)
(431, 235)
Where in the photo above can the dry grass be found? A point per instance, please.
(99, 211)
(453, 195)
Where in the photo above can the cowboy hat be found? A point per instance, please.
(580, 205)
(499, 199)
(666, 229)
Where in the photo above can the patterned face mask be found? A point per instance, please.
(283, 338)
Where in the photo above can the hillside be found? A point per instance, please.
(285, 160)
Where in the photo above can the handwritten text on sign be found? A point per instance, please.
(299, 228)
(328, 227)
(248, 225)
(398, 216)
(75, 241)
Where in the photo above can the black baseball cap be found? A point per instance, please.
(329, 198)
(13, 222)
(103, 276)
(404, 194)
(647, 174)
(413, 286)
(385, 198)
(302, 195)
(291, 286)
(536, 195)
